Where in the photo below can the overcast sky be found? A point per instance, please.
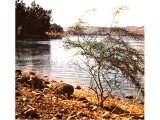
(67, 12)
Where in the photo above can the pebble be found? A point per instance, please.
(25, 99)
(81, 114)
(71, 118)
(54, 118)
(78, 87)
(129, 96)
(58, 116)
(106, 114)
(31, 113)
(85, 118)
(94, 108)
(83, 99)
(18, 93)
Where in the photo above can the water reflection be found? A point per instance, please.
(49, 58)
(32, 55)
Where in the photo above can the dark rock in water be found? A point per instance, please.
(141, 102)
(31, 114)
(18, 72)
(32, 73)
(45, 76)
(129, 96)
(78, 87)
(63, 88)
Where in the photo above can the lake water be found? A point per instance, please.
(49, 58)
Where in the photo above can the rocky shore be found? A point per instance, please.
(39, 98)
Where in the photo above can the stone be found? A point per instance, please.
(94, 108)
(18, 72)
(25, 99)
(129, 96)
(39, 98)
(141, 102)
(32, 73)
(23, 79)
(78, 87)
(45, 76)
(83, 99)
(107, 114)
(85, 118)
(58, 116)
(54, 118)
(63, 88)
(18, 93)
(64, 110)
(71, 118)
(81, 114)
(31, 114)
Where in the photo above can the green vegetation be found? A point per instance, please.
(109, 60)
(34, 22)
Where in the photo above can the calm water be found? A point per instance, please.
(49, 58)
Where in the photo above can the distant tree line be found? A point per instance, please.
(34, 22)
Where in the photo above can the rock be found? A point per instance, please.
(63, 88)
(39, 98)
(141, 102)
(107, 114)
(58, 116)
(31, 114)
(83, 99)
(45, 76)
(71, 118)
(18, 72)
(78, 87)
(54, 118)
(18, 93)
(94, 108)
(34, 81)
(64, 110)
(129, 96)
(25, 99)
(81, 114)
(47, 82)
(32, 73)
(85, 118)
(23, 79)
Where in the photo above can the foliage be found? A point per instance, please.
(109, 60)
(32, 20)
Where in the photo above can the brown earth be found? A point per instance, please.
(38, 101)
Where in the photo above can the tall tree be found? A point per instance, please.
(32, 20)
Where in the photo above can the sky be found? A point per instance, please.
(68, 12)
